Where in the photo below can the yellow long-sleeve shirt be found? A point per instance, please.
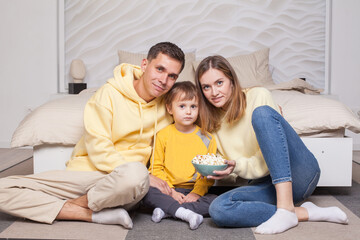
(238, 141)
(173, 153)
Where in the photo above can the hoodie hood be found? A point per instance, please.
(124, 76)
(123, 81)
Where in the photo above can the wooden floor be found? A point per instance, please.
(16, 161)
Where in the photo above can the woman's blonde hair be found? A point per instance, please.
(211, 116)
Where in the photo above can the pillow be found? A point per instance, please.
(56, 122)
(296, 84)
(252, 69)
(187, 74)
(309, 114)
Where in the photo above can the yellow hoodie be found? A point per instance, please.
(119, 125)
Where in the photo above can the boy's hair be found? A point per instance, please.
(187, 89)
(169, 49)
(237, 103)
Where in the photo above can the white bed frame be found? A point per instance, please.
(334, 156)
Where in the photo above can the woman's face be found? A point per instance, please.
(216, 87)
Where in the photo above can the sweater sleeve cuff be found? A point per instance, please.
(200, 190)
(247, 171)
(238, 168)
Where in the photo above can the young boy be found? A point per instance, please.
(175, 147)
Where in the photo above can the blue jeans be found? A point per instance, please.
(287, 158)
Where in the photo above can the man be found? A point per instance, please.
(107, 167)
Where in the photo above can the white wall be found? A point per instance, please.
(28, 59)
(345, 51)
(293, 30)
(345, 55)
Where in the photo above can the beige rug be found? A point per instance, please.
(63, 230)
(81, 230)
(321, 230)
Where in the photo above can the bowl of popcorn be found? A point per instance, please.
(206, 164)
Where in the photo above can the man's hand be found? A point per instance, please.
(160, 184)
(177, 196)
(191, 197)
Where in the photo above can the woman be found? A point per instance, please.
(262, 147)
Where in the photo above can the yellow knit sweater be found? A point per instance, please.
(238, 141)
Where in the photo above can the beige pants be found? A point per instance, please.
(40, 197)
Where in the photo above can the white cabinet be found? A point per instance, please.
(335, 159)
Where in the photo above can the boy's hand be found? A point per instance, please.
(177, 196)
(160, 184)
(191, 197)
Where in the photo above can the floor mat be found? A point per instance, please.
(321, 230)
(345, 198)
(170, 228)
(63, 230)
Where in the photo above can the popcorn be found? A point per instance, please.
(209, 159)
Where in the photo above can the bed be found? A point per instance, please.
(54, 128)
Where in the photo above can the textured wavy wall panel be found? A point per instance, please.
(293, 30)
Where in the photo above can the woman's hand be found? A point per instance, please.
(160, 184)
(281, 111)
(224, 173)
(191, 197)
(177, 196)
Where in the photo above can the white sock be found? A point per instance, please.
(281, 221)
(113, 216)
(326, 214)
(158, 215)
(189, 216)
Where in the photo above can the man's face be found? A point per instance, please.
(159, 76)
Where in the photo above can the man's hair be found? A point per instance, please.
(169, 49)
(186, 90)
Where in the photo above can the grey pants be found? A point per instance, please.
(156, 199)
(40, 197)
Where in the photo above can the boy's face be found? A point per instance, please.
(185, 112)
(159, 76)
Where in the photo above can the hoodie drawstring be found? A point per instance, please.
(141, 131)
(153, 149)
(141, 127)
